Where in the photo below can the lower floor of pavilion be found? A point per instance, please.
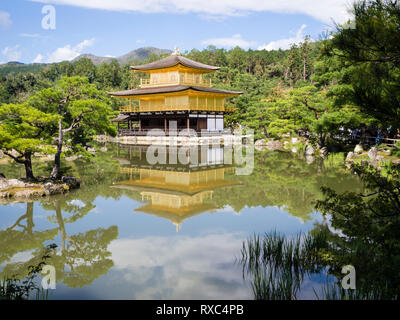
(169, 123)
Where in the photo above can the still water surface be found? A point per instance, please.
(140, 231)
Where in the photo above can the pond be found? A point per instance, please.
(140, 231)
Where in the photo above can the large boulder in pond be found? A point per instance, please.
(260, 142)
(358, 149)
(3, 181)
(72, 182)
(274, 145)
(350, 157)
(260, 145)
(373, 153)
(309, 159)
(309, 150)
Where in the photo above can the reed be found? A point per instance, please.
(276, 265)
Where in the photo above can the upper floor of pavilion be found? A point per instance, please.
(175, 83)
(175, 70)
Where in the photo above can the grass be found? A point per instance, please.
(16, 189)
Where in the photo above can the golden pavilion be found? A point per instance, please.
(175, 195)
(174, 192)
(175, 95)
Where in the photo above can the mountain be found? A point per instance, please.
(138, 54)
(16, 67)
(15, 63)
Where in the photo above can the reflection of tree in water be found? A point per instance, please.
(280, 179)
(369, 224)
(82, 257)
(13, 241)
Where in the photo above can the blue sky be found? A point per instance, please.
(113, 28)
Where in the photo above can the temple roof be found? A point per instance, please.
(120, 118)
(171, 61)
(170, 89)
(177, 216)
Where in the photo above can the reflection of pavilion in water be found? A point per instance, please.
(176, 192)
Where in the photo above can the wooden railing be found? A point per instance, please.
(147, 83)
(180, 132)
(373, 140)
(129, 109)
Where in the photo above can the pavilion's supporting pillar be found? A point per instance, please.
(188, 123)
(165, 124)
(140, 124)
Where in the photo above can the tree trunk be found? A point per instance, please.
(321, 141)
(28, 166)
(29, 217)
(61, 224)
(265, 132)
(57, 158)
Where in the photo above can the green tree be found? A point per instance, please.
(109, 74)
(370, 223)
(25, 130)
(82, 109)
(85, 68)
(371, 45)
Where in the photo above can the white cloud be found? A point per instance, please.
(12, 53)
(109, 56)
(5, 19)
(176, 271)
(140, 41)
(69, 52)
(39, 58)
(323, 10)
(285, 43)
(235, 40)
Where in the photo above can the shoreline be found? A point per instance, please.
(173, 140)
(22, 190)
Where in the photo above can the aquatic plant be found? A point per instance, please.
(277, 265)
(14, 288)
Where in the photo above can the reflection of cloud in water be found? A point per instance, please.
(181, 267)
(75, 202)
(228, 209)
(20, 257)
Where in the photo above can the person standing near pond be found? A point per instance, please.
(378, 137)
